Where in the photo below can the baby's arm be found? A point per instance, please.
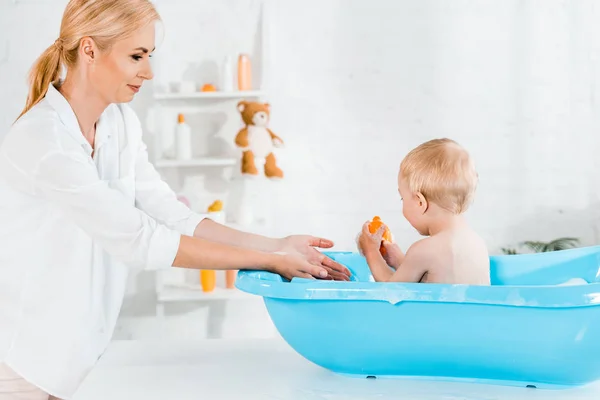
(393, 255)
(415, 264)
(409, 267)
(378, 266)
(369, 245)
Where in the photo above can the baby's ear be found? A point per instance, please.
(423, 203)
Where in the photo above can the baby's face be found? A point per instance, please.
(412, 208)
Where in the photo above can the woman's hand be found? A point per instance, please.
(303, 246)
(294, 265)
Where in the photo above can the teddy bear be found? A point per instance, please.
(257, 140)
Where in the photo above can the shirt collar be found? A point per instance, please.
(69, 119)
(103, 132)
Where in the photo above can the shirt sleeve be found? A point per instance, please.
(152, 194)
(156, 198)
(72, 184)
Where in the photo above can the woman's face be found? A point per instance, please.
(118, 74)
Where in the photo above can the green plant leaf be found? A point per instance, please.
(563, 243)
(554, 245)
(535, 246)
(508, 251)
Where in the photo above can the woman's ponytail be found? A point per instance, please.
(46, 70)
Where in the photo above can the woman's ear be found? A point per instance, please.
(422, 201)
(87, 49)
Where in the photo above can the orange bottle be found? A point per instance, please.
(230, 276)
(387, 235)
(244, 72)
(208, 280)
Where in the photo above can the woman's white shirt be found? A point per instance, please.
(71, 228)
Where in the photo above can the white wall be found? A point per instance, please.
(355, 84)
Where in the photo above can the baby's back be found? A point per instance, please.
(460, 257)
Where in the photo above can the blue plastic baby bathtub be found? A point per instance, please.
(527, 329)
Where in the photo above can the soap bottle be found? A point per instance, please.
(244, 72)
(183, 139)
(227, 75)
(230, 276)
(208, 280)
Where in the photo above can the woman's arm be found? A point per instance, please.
(203, 254)
(71, 184)
(215, 232)
(303, 246)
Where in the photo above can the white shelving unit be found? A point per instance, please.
(197, 162)
(234, 95)
(168, 289)
(185, 293)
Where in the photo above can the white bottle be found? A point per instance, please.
(246, 203)
(183, 139)
(227, 75)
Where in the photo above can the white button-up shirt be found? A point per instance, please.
(71, 228)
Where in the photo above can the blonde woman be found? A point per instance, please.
(81, 205)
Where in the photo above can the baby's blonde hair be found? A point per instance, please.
(443, 172)
(104, 21)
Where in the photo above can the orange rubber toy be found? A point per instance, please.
(387, 235)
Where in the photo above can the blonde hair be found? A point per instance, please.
(443, 172)
(104, 21)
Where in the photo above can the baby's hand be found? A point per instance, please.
(392, 255)
(370, 242)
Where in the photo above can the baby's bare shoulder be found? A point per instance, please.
(427, 248)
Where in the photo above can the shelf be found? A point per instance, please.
(172, 293)
(197, 162)
(209, 95)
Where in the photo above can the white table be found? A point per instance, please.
(264, 369)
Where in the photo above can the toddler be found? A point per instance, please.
(436, 182)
